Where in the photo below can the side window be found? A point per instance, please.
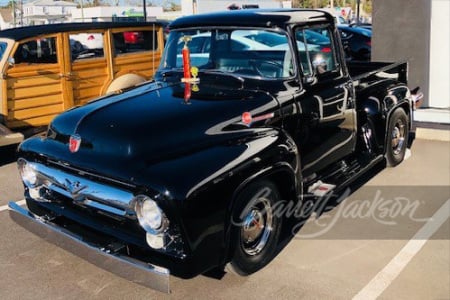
(2, 48)
(135, 41)
(37, 51)
(316, 51)
(86, 45)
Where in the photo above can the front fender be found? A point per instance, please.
(203, 201)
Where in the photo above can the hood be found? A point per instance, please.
(155, 122)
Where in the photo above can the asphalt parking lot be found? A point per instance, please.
(358, 249)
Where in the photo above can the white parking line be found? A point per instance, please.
(5, 207)
(386, 276)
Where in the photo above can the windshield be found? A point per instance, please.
(244, 52)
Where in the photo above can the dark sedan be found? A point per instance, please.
(356, 42)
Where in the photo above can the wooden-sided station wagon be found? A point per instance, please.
(47, 69)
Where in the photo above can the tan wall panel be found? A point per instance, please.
(38, 121)
(35, 112)
(29, 82)
(34, 102)
(38, 91)
(33, 70)
(137, 63)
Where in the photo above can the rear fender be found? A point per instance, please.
(378, 103)
(397, 97)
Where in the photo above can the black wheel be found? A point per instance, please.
(255, 229)
(398, 132)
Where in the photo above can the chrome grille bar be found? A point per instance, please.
(84, 191)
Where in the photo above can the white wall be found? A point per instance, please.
(205, 6)
(439, 54)
(104, 13)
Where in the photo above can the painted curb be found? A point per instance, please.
(433, 134)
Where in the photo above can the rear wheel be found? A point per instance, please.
(398, 132)
(255, 229)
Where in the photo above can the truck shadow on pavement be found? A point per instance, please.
(331, 203)
(8, 154)
(294, 225)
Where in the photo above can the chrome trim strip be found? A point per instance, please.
(84, 191)
(68, 167)
(149, 275)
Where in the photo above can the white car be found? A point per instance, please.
(87, 41)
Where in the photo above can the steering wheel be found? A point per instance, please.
(267, 68)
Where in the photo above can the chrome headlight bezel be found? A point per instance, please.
(150, 216)
(28, 173)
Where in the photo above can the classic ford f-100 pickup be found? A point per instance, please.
(182, 174)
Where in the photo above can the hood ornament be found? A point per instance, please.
(75, 188)
(189, 73)
(74, 143)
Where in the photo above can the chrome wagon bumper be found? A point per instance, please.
(139, 272)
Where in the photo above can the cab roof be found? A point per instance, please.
(20, 33)
(253, 17)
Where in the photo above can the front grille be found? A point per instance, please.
(96, 177)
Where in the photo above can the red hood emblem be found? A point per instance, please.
(74, 143)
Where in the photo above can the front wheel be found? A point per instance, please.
(398, 132)
(255, 229)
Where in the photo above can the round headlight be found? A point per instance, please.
(28, 173)
(149, 215)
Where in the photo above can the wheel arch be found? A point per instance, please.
(397, 97)
(379, 102)
(283, 176)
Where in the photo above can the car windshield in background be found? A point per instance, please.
(261, 53)
(313, 37)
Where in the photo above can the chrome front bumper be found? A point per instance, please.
(139, 272)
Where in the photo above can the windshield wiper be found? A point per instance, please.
(221, 72)
(169, 73)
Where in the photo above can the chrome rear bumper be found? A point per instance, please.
(142, 273)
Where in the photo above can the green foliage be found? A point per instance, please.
(366, 5)
(310, 3)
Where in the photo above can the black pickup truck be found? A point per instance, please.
(182, 174)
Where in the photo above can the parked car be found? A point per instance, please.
(362, 25)
(357, 42)
(48, 69)
(200, 46)
(88, 40)
(192, 172)
(278, 40)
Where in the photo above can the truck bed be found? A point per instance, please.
(374, 71)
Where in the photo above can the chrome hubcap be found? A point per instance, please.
(398, 137)
(256, 226)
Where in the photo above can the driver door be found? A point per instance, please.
(328, 120)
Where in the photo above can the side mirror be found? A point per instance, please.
(309, 79)
(11, 61)
(319, 64)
